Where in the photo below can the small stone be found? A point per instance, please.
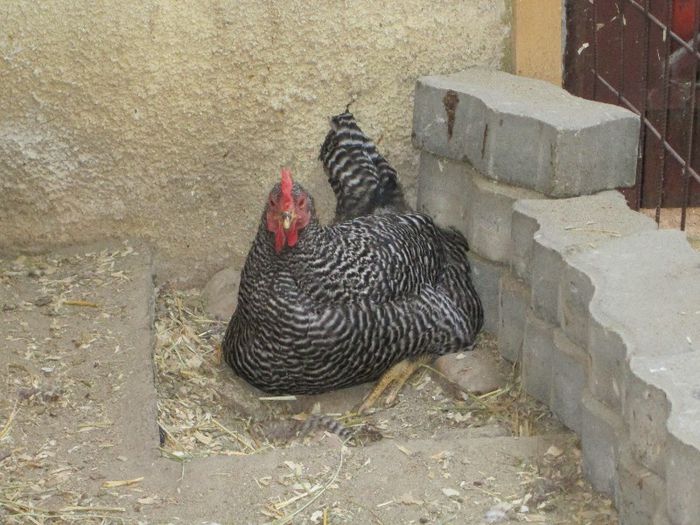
(554, 451)
(495, 516)
(43, 300)
(450, 493)
(498, 512)
(221, 294)
(476, 373)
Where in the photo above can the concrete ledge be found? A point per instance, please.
(526, 132)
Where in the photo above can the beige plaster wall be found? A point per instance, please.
(537, 39)
(169, 121)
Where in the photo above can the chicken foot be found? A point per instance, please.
(395, 377)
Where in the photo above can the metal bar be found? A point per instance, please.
(650, 127)
(664, 132)
(595, 49)
(665, 27)
(689, 159)
(639, 183)
(623, 22)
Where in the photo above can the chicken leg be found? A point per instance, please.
(395, 377)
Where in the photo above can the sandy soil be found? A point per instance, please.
(95, 360)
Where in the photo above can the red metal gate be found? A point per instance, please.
(643, 55)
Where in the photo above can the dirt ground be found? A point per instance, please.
(670, 218)
(114, 409)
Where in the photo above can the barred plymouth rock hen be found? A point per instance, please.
(363, 181)
(325, 307)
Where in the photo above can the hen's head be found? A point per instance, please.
(289, 210)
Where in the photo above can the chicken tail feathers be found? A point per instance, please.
(363, 180)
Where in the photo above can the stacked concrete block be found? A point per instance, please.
(457, 195)
(526, 132)
(488, 139)
(677, 377)
(640, 493)
(600, 308)
(537, 356)
(513, 305)
(487, 278)
(601, 433)
(624, 303)
(570, 365)
(608, 354)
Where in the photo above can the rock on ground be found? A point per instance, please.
(475, 372)
(221, 293)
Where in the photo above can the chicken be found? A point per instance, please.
(363, 181)
(325, 307)
(364, 184)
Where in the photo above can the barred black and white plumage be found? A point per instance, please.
(284, 430)
(363, 181)
(325, 307)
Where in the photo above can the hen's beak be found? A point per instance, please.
(287, 218)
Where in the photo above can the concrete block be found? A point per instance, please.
(575, 294)
(647, 286)
(607, 352)
(523, 229)
(570, 226)
(526, 132)
(457, 195)
(601, 435)
(491, 215)
(546, 268)
(661, 515)
(569, 373)
(639, 492)
(538, 353)
(682, 479)
(444, 191)
(677, 376)
(645, 410)
(221, 293)
(514, 304)
(486, 276)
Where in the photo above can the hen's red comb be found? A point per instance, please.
(286, 188)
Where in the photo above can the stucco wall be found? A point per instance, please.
(169, 121)
(537, 39)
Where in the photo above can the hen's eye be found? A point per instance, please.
(302, 202)
(272, 201)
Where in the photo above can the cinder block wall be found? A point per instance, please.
(600, 307)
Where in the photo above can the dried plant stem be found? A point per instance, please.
(288, 518)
